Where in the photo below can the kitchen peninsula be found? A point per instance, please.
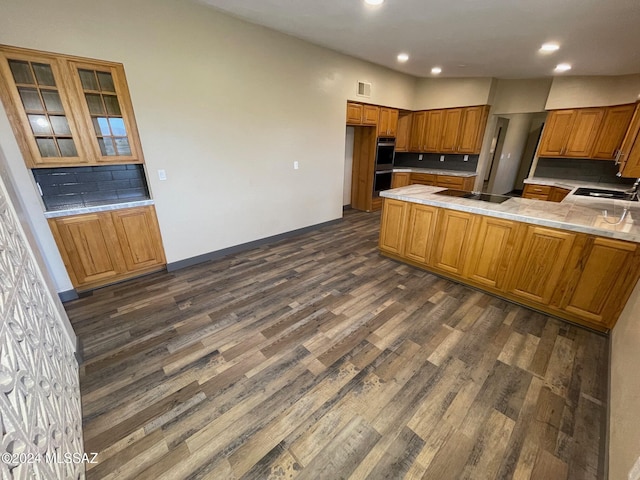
(578, 259)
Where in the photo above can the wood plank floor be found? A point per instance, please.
(317, 358)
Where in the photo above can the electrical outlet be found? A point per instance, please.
(296, 165)
(420, 157)
(466, 158)
(442, 158)
(162, 175)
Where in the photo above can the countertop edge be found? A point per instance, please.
(435, 171)
(619, 235)
(97, 208)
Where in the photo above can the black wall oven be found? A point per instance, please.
(385, 151)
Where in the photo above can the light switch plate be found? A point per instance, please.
(466, 158)
(162, 175)
(296, 165)
(442, 158)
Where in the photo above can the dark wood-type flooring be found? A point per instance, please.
(317, 358)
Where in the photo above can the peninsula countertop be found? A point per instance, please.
(579, 214)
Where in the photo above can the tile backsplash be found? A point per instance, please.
(595, 171)
(432, 160)
(77, 187)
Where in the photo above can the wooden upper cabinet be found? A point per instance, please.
(354, 113)
(585, 132)
(432, 134)
(585, 128)
(451, 130)
(601, 278)
(556, 133)
(67, 111)
(403, 132)
(362, 114)
(540, 263)
(370, 115)
(107, 108)
(42, 112)
(387, 122)
(417, 131)
(474, 121)
(630, 151)
(614, 126)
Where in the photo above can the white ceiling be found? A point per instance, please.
(467, 38)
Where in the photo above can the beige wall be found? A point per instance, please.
(225, 107)
(624, 431)
(521, 96)
(578, 92)
(451, 92)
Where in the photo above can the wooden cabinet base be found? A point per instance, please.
(581, 278)
(576, 319)
(107, 247)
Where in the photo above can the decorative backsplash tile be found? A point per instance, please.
(77, 187)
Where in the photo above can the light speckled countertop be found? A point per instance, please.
(577, 214)
(97, 208)
(574, 184)
(435, 171)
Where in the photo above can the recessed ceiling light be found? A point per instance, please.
(436, 70)
(403, 57)
(562, 67)
(374, 2)
(549, 47)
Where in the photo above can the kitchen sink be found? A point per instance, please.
(604, 193)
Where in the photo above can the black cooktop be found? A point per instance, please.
(484, 197)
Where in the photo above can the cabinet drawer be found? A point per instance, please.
(535, 196)
(450, 182)
(424, 178)
(538, 189)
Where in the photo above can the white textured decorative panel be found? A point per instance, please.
(40, 415)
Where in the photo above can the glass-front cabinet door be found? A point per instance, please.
(68, 111)
(104, 98)
(46, 129)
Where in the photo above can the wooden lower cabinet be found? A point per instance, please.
(492, 252)
(393, 226)
(400, 179)
(139, 238)
(536, 192)
(428, 179)
(101, 248)
(544, 192)
(452, 240)
(603, 272)
(540, 263)
(582, 278)
(420, 233)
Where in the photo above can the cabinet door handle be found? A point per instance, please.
(618, 156)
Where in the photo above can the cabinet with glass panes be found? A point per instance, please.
(67, 111)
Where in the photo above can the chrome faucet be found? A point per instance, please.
(633, 191)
